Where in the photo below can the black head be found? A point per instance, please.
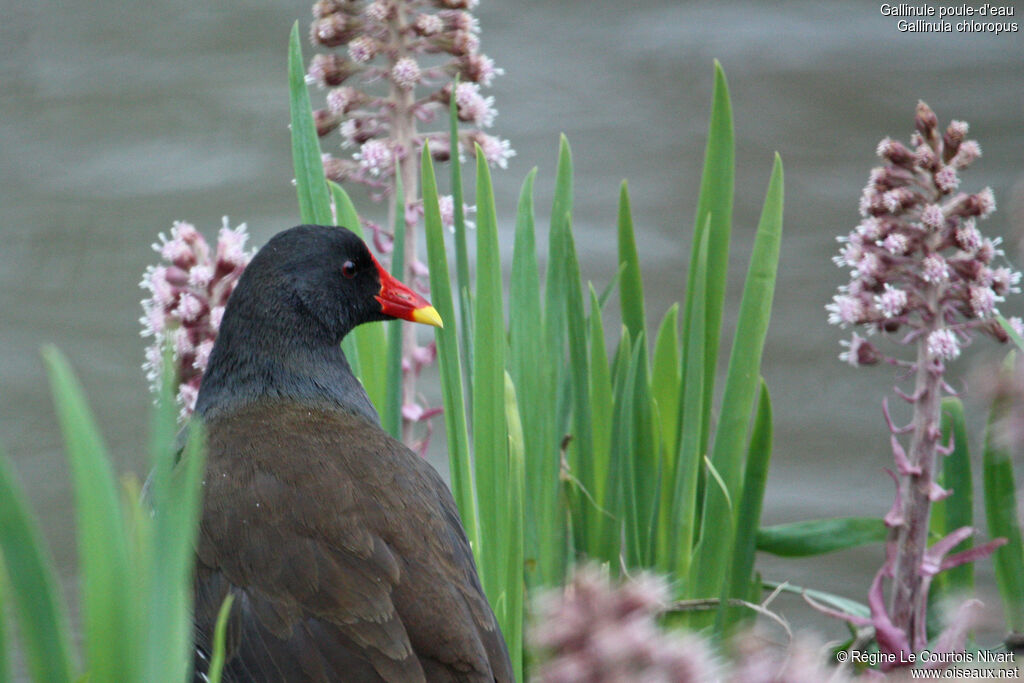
(298, 297)
(325, 281)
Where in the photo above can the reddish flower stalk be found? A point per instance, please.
(924, 276)
(413, 50)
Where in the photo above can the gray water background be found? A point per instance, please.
(116, 119)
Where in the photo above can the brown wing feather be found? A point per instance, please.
(345, 553)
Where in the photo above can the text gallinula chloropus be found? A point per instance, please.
(344, 549)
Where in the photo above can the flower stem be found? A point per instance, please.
(909, 595)
(404, 133)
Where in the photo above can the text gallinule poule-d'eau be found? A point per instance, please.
(344, 549)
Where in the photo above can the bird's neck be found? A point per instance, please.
(279, 364)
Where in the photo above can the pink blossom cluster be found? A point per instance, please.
(598, 632)
(188, 292)
(918, 263)
(803, 660)
(418, 48)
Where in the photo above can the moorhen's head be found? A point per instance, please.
(322, 280)
(298, 297)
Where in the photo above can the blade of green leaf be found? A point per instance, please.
(391, 416)
(820, 536)
(512, 626)
(490, 441)
(31, 586)
(632, 280)
(840, 603)
(171, 528)
(680, 470)
(610, 522)
(714, 207)
(609, 288)
(461, 248)
(1001, 510)
(556, 400)
(625, 517)
(755, 477)
(102, 546)
(956, 511)
(362, 345)
(601, 402)
(741, 384)
(456, 428)
(666, 379)
(219, 631)
(345, 215)
(314, 204)
(555, 281)
(5, 669)
(176, 493)
(723, 489)
(528, 363)
(647, 457)
(581, 448)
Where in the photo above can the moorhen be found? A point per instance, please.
(343, 549)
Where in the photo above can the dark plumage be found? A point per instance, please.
(343, 549)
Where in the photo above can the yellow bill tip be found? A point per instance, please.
(427, 315)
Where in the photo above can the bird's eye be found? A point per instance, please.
(348, 269)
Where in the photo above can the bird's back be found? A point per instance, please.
(344, 551)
